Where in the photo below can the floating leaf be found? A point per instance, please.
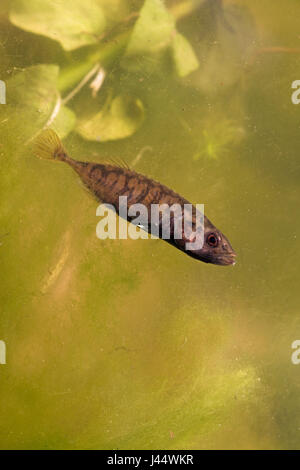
(74, 23)
(32, 102)
(118, 119)
(184, 57)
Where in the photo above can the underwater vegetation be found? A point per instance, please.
(99, 41)
(126, 343)
(218, 138)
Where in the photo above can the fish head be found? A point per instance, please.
(216, 248)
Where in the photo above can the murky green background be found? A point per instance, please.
(131, 344)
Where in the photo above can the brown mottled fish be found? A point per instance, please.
(108, 182)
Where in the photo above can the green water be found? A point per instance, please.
(130, 344)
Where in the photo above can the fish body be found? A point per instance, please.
(108, 182)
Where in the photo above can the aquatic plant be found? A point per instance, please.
(123, 344)
(103, 37)
(218, 137)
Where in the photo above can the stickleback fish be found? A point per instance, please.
(108, 182)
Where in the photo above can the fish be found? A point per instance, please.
(107, 182)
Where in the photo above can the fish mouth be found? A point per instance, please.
(220, 259)
(225, 260)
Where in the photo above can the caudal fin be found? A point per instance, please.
(49, 146)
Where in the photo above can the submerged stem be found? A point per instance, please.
(81, 84)
(105, 56)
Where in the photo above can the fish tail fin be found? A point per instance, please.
(49, 146)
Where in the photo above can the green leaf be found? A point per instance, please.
(65, 122)
(184, 56)
(74, 23)
(32, 102)
(118, 119)
(153, 29)
(152, 33)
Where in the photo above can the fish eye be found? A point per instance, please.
(212, 240)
